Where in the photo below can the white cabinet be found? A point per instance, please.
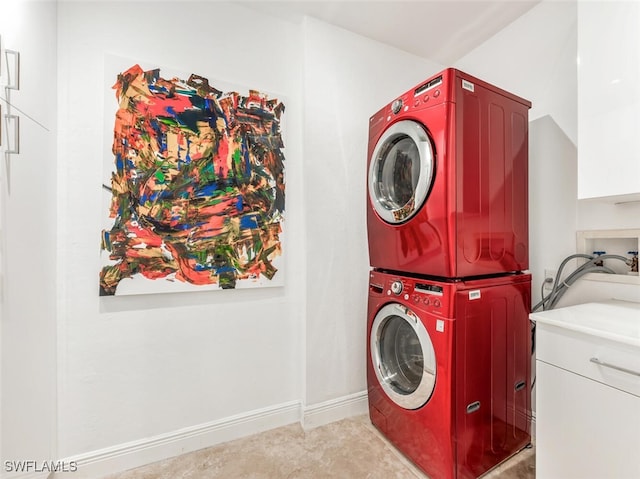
(608, 100)
(588, 391)
(584, 429)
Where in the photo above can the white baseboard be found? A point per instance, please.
(110, 460)
(14, 474)
(96, 464)
(335, 410)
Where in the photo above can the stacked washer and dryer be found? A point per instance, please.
(449, 341)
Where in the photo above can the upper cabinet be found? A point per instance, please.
(609, 100)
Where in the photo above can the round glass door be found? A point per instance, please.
(403, 356)
(401, 171)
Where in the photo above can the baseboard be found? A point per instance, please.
(133, 454)
(96, 464)
(15, 474)
(335, 410)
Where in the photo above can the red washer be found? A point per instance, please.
(447, 180)
(449, 386)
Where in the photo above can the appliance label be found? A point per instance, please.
(467, 85)
(440, 326)
(475, 294)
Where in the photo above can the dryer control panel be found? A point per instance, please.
(430, 93)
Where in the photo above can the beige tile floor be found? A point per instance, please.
(347, 449)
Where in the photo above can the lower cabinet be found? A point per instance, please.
(588, 391)
(584, 429)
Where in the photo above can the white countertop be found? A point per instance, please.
(614, 319)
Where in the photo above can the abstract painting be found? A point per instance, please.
(197, 187)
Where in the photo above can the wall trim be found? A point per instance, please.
(335, 409)
(24, 475)
(145, 451)
(141, 452)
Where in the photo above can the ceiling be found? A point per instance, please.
(442, 31)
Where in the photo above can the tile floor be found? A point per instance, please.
(347, 449)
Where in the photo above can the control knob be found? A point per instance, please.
(396, 106)
(396, 287)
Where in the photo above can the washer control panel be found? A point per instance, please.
(397, 287)
(396, 106)
(427, 296)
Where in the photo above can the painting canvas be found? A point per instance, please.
(194, 185)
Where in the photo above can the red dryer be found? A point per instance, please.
(449, 370)
(447, 180)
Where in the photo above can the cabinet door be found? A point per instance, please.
(584, 429)
(608, 99)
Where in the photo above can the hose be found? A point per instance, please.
(559, 272)
(544, 300)
(557, 291)
(575, 276)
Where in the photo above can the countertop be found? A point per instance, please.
(615, 320)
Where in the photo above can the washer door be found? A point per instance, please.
(401, 171)
(403, 356)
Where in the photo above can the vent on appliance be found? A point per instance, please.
(428, 86)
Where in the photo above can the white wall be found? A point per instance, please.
(134, 367)
(27, 237)
(535, 57)
(552, 203)
(137, 367)
(599, 214)
(347, 78)
(552, 199)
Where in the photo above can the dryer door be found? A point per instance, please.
(401, 171)
(403, 356)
